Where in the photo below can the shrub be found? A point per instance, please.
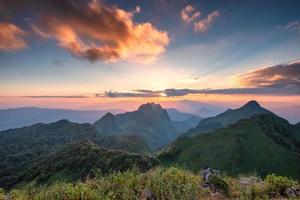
(277, 185)
(162, 183)
(172, 183)
(2, 194)
(219, 184)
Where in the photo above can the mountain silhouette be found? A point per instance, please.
(150, 121)
(230, 116)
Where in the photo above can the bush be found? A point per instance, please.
(172, 183)
(277, 185)
(161, 183)
(2, 194)
(219, 184)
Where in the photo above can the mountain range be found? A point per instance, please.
(264, 143)
(20, 117)
(244, 140)
(150, 121)
(131, 132)
(26, 116)
(19, 148)
(226, 118)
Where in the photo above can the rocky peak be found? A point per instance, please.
(108, 116)
(150, 107)
(252, 104)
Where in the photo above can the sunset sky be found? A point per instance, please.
(79, 54)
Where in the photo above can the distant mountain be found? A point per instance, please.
(183, 121)
(183, 126)
(195, 107)
(19, 117)
(176, 115)
(262, 144)
(20, 147)
(226, 118)
(150, 121)
(80, 160)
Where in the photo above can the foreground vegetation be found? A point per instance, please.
(160, 183)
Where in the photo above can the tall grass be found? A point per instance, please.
(163, 183)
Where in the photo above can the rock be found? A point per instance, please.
(208, 172)
(213, 181)
(292, 192)
(148, 195)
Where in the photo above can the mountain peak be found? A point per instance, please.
(61, 122)
(252, 103)
(150, 107)
(108, 115)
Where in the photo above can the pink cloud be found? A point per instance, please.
(204, 24)
(189, 14)
(11, 37)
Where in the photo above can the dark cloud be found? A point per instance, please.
(93, 30)
(143, 93)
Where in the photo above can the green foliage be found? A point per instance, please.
(272, 187)
(2, 194)
(219, 184)
(83, 159)
(277, 185)
(21, 147)
(163, 183)
(173, 183)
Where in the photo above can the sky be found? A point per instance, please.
(82, 54)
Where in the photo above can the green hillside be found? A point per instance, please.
(262, 144)
(80, 160)
(19, 148)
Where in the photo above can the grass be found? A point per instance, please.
(163, 183)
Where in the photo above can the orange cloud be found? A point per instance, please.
(286, 76)
(95, 31)
(204, 24)
(11, 37)
(188, 14)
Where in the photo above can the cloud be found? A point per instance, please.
(64, 96)
(11, 37)
(95, 31)
(135, 93)
(188, 14)
(282, 79)
(204, 24)
(293, 26)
